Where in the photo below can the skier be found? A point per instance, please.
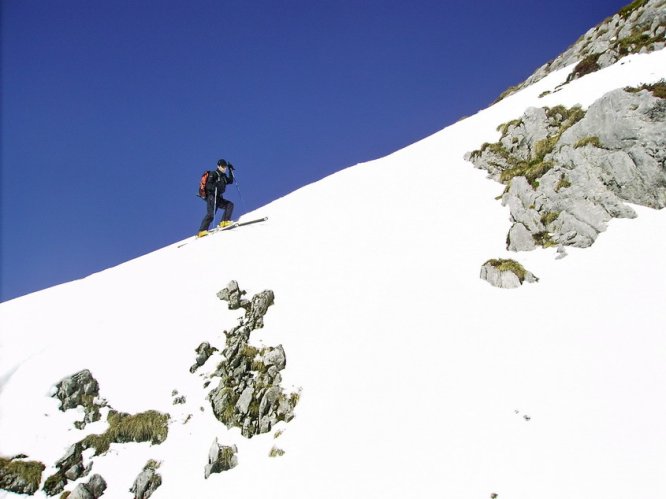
(215, 184)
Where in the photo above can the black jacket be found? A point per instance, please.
(219, 181)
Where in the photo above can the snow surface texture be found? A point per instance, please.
(418, 378)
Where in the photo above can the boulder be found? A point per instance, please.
(204, 351)
(221, 458)
(20, 476)
(91, 490)
(80, 389)
(146, 482)
(505, 274)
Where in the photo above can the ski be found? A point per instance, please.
(239, 224)
(228, 227)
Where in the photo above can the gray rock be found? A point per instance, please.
(75, 389)
(249, 395)
(146, 483)
(204, 351)
(20, 476)
(608, 41)
(275, 356)
(244, 400)
(499, 279)
(615, 153)
(506, 274)
(520, 239)
(221, 458)
(81, 492)
(92, 490)
(80, 389)
(233, 295)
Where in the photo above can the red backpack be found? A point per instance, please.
(202, 184)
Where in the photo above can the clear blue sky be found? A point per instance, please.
(111, 110)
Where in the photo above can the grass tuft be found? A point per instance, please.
(588, 141)
(658, 89)
(149, 426)
(28, 472)
(508, 265)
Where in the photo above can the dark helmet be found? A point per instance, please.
(222, 163)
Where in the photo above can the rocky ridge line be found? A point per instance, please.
(640, 27)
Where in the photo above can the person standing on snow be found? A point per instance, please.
(215, 185)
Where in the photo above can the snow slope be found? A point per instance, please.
(416, 375)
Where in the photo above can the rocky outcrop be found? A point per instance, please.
(80, 389)
(249, 395)
(92, 490)
(19, 475)
(234, 296)
(221, 458)
(147, 482)
(204, 351)
(70, 468)
(568, 172)
(505, 273)
(637, 28)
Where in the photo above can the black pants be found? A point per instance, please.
(212, 207)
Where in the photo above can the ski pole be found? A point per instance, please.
(214, 207)
(240, 196)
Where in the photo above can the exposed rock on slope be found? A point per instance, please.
(92, 490)
(80, 389)
(637, 28)
(249, 395)
(221, 458)
(568, 172)
(506, 273)
(19, 475)
(147, 482)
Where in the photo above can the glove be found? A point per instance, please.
(231, 167)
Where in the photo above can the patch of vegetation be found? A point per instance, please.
(634, 43)
(152, 465)
(504, 127)
(561, 118)
(627, 10)
(149, 426)
(563, 183)
(584, 67)
(508, 265)
(532, 171)
(508, 92)
(543, 94)
(544, 239)
(588, 141)
(21, 477)
(549, 217)
(565, 117)
(276, 452)
(658, 89)
(295, 397)
(496, 148)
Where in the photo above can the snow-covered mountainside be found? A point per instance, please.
(367, 358)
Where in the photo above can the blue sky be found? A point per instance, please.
(111, 110)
